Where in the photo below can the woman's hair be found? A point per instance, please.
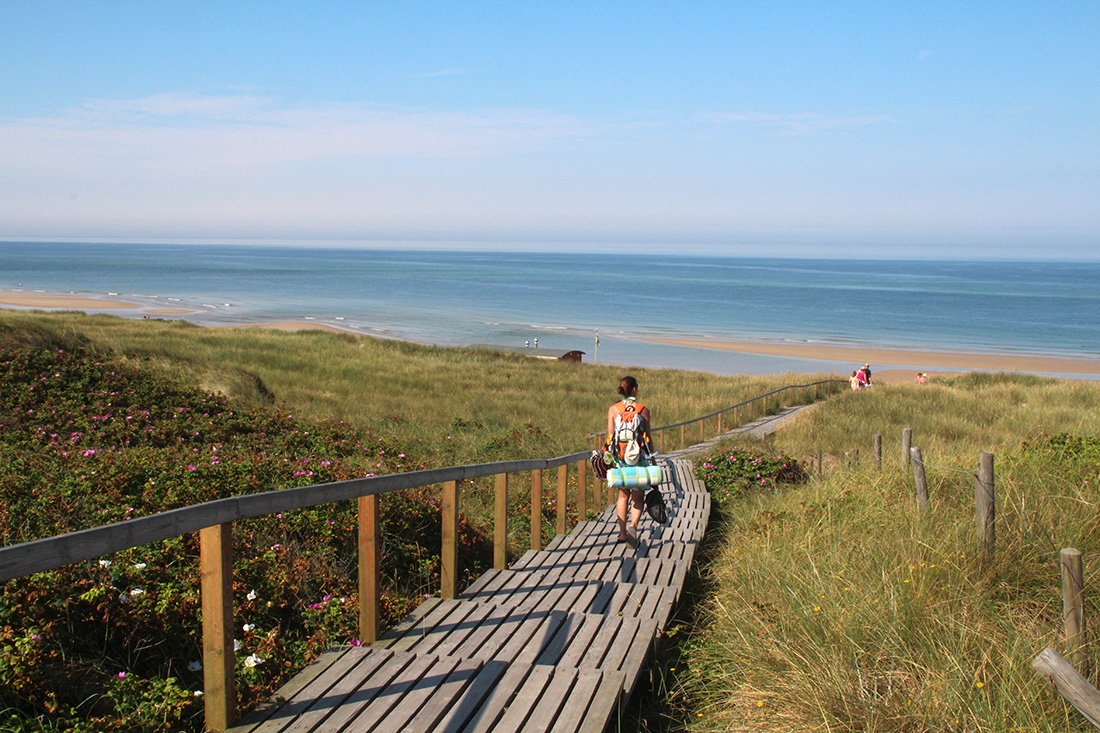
(628, 386)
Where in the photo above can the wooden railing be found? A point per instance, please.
(751, 409)
(214, 522)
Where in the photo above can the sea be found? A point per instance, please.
(605, 305)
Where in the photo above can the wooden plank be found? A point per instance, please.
(412, 704)
(486, 717)
(356, 689)
(519, 708)
(403, 638)
(294, 690)
(549, 704)
(582, 639)
(464, 711)
(398, 630)
(580, 700)
(441, 700)
(381, 692)
(426, 639)
(460, 638)
(604, 704)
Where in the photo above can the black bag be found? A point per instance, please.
(655, 505)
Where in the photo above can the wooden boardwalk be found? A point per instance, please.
(553, 643)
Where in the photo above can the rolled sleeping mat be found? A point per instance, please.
(633, 477)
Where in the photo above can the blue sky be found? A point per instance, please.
(963, 129)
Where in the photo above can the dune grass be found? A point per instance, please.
(452, 405)
(836, 606)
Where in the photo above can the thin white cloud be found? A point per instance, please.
(802, 123)
(200, 133)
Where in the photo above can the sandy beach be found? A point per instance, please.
(939, 364)
(943, 362)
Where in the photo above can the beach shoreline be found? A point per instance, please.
(885, 360)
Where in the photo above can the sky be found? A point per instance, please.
(826, 129)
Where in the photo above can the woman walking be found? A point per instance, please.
(628, 412)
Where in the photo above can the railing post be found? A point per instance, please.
(683, 439)
(919, 479)
(216, 571)
(582, 491)
(876, 441)
(563, 497)
(702, 430)
(985, 506)
(500, 522)
(448, 557)
(906, 446)
(720, 422)
(1073, 607)
(370, 535)
(536, 509)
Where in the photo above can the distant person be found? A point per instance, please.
(861, 379)
(922, 378)
(622, 411)
(866, 370)
(854, 381)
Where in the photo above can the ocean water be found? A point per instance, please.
(508, 298)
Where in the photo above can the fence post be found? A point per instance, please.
(582, 491)
(918, 477)
(1073, 607)
(662, 441)
(500, 522)
(216, 573)
(876, 441)
(702, 430)
(906, 446)
(536, 509)
(720, 422)
(985, 506)
(448, 556)
(1069, 683)
(683, 439)
(563, 497)
(369, 584)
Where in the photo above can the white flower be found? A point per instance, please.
(104, 563)
(194, 667)
(137, 592)
(139, 566)
(236, 645)
(248, 627)
(252, 595)
(252, 661)
(198, 693)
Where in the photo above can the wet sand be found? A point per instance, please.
(939, 364)
(56, 300)
(877, 357)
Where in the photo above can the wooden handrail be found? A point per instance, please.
(37, 556)
(719, 413)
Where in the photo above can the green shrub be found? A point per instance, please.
(732, 472)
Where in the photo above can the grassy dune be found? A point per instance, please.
(837, 606)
